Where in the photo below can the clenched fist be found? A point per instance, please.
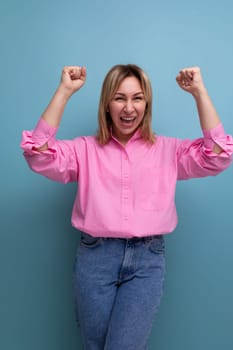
(190, 80)
(73, 78)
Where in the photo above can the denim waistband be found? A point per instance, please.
(128, 239)
(135, 239)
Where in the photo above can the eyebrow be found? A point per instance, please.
(136, 93)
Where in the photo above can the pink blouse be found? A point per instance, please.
(125, 191)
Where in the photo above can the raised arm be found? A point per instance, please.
(72, 79)
(190, 80)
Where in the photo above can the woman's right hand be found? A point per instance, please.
(72, 78)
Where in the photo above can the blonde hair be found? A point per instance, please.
(110, 85)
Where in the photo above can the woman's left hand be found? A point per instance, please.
(190, 80)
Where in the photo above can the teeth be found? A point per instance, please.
(127, 119)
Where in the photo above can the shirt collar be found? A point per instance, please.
(137, 135)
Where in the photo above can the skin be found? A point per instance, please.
(73, 78)
(127, 109)
(190, 80)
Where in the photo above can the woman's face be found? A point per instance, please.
(127, 109)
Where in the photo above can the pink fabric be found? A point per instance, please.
(125, 191)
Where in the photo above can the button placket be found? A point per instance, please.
(125, 189)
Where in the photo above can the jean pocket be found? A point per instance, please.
(157, 245)
(89, 241)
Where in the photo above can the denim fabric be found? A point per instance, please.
(118, 286)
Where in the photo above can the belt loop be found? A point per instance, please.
(147, 239)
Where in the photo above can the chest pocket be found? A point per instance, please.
(157, 188)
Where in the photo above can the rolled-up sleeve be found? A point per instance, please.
(42, 134)
(197, 159)
(59, 162)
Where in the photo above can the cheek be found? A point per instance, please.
(114, 110)
(142, 110)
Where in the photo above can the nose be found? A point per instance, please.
(129, 107)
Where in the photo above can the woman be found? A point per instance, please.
(125, 200)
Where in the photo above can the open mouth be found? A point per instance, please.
(127, 120)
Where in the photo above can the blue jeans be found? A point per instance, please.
(118, 286)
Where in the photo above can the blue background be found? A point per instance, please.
(37, 242)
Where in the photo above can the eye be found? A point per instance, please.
(119, 98)
(138, 98)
